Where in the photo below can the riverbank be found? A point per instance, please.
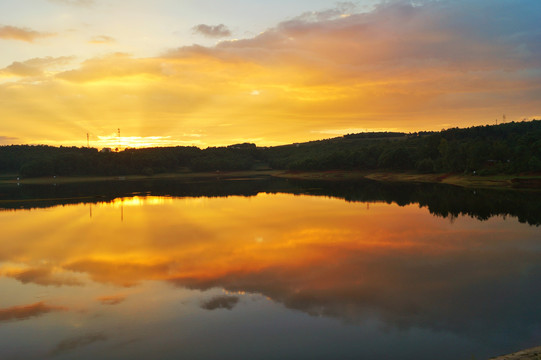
(50, 180)
(468, 181)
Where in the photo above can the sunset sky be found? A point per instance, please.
(210, 72)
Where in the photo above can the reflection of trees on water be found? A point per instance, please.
(441, 200)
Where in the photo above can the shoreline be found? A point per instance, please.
(515, 181)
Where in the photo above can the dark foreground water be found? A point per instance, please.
(266, 269)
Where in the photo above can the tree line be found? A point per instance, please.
(507, 148)
(492, 149)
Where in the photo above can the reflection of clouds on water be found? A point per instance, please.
(126, 274)
(24, 312)
(76, 342)
(220, 302)
(461, 291)
(111, 300)
(43, 276)
(127, 343)
(321, 256)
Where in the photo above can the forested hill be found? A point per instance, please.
(507, 148)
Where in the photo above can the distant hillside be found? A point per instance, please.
(507, 148)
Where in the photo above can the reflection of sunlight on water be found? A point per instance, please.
(138, 201)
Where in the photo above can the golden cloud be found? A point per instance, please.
(21, 34)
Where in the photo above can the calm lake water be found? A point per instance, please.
(259, 270)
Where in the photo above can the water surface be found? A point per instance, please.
(290, 272)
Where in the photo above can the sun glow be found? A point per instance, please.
(125, 142)
(138, 201)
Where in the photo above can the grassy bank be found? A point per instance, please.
(495, 181)
(14, 179)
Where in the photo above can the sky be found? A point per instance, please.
(213, 73)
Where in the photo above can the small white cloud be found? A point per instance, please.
(102, 39)
(214, 31)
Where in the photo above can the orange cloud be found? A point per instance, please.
(22, 34)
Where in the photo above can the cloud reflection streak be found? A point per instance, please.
(24, 312)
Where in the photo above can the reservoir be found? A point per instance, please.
(262, 269)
